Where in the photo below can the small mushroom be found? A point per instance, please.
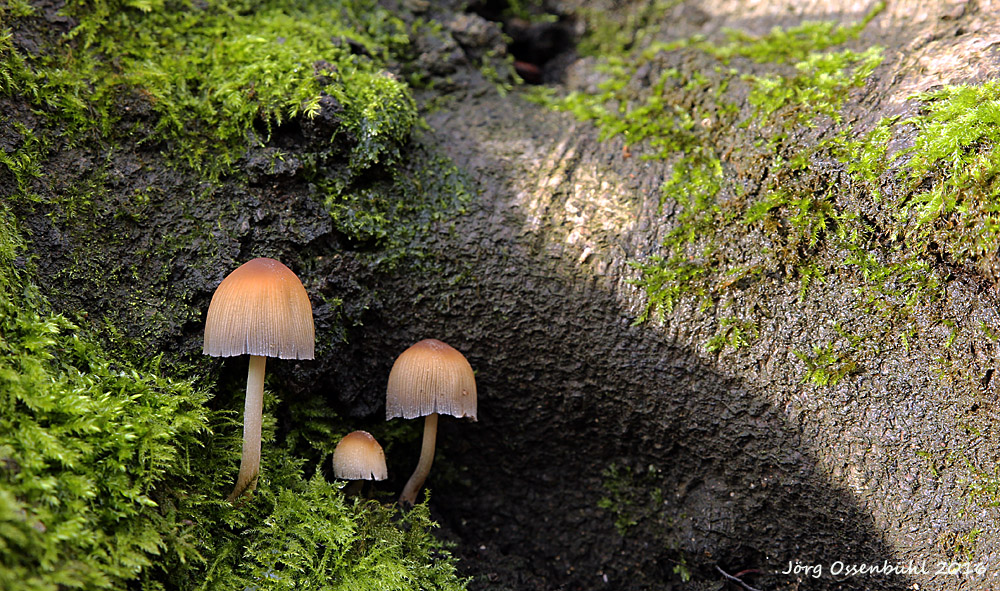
(429, 378)
(359, 457)
(260, 309)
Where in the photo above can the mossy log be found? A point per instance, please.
(763, 366)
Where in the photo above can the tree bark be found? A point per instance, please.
(730, 459)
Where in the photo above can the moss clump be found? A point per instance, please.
(666, 281)
(313, 539)
(792, 45)
(300, 533)
(220, 74)
(85, 439)
(947, 181)
(387, 217)
(733, 332)
(635, 500)
(631, 496)
(819, 87)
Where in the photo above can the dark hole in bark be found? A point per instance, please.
(538, 44)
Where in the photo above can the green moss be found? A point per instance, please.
(85, 439)
(666, 282)
(797, 44)
(221, 75)
(391, 215)
(15, 76)
(795, 82)
(630, 495)
(826, 364)
(301, 533)
(947, 180)
(613, 33)
(897, 289)
(733, 332)
(667, 127)
(805, 219)
(820, 86)
(24, 162)
(313, 539)
(634, 499)
(113, 476)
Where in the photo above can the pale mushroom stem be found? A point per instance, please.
(409, 496)
(253, 415)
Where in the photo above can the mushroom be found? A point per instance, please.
(260, 309)
(359, 457)
(430, 377)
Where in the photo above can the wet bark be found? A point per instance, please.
(732, 460)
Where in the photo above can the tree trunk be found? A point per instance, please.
(611, 452)
(729, 459)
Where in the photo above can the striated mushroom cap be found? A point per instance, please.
(262, 309)
(359, 457)
(430, 377)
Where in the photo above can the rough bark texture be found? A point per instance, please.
(756, 469)
(709, 460)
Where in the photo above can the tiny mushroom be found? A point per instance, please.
(260, 309)
(358, 456)
(430, 377)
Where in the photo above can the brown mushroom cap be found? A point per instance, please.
(359, 457)
(262, 309)
(431, 377)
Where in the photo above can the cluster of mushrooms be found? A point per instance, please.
(261, 309)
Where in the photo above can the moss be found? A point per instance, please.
(222, 75)
(314, 539)
(301, 533)
(613, 33)
(820, 86)
(795, 82)
(641, 512)
(24, 162)
(826, 365)
(389, 216)
(666, 282)
(112, 475)
(668, 127)
(946, 182)
(622, 484)
(733, 332)
(85, 440)
(789, 45)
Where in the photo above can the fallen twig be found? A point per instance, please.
(735, 580)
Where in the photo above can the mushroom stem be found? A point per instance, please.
(353, 488)
(253, 415)
(409, 495)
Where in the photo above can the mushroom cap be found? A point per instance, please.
(430, 377)
(260, 308)
(359, 457)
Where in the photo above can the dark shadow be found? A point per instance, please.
(586, 420)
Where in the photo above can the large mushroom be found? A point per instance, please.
(260, 309)
(429, 378)
(358, 457)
